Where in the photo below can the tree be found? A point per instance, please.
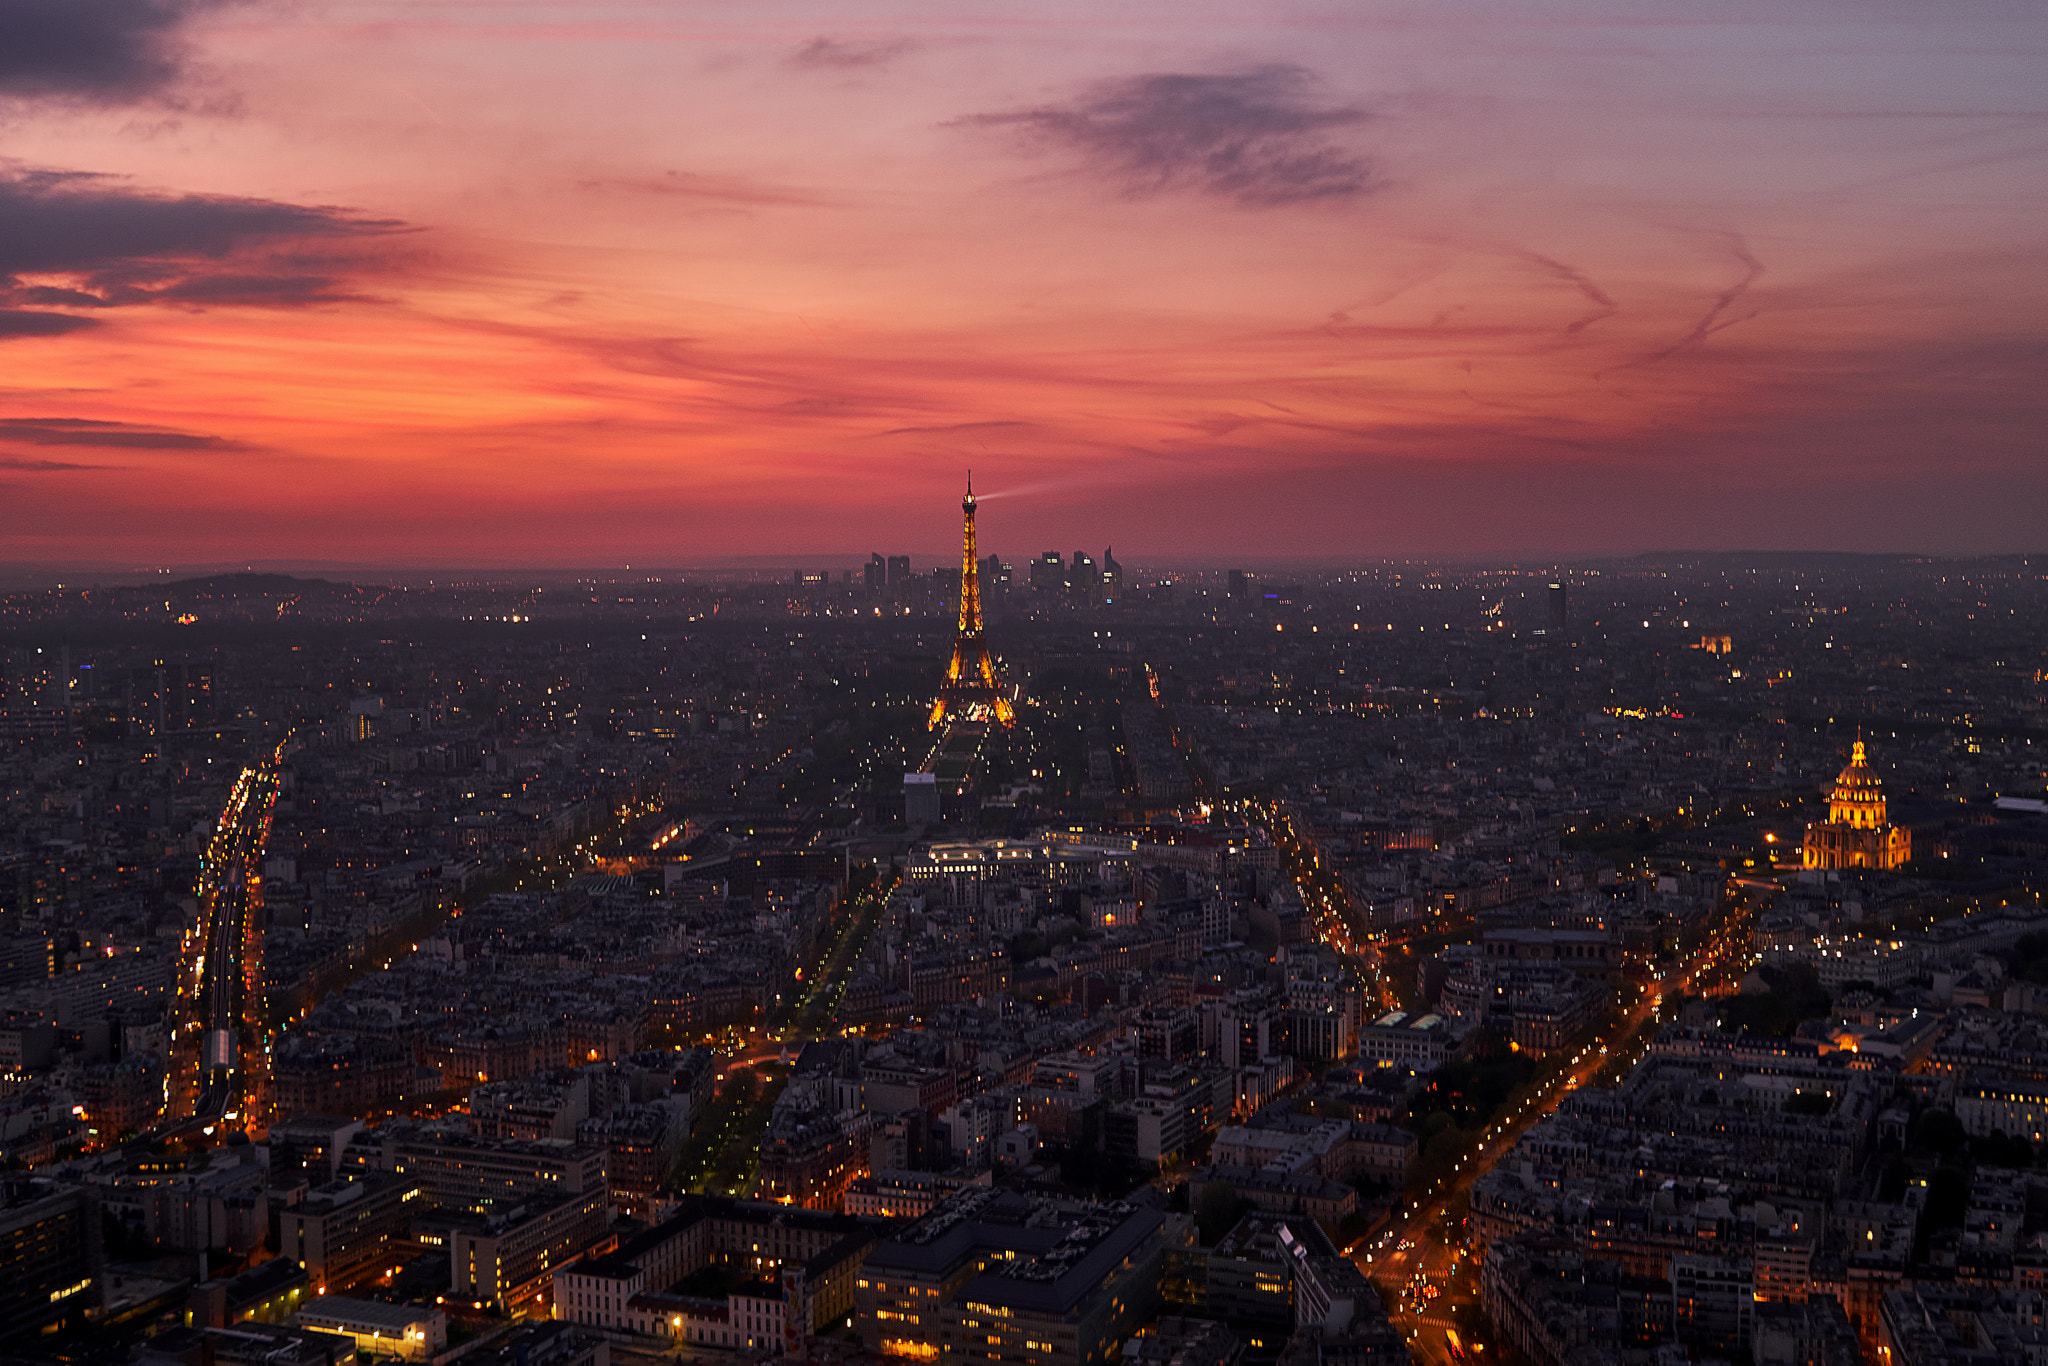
(1948, 1200)
(1937, 1131)
(1996, 1149)
(1219, 1210)
(1027, 945)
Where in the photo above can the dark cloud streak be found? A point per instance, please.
(11, 462)
(1603, 305)
(1712, 322)
(1256, 137)
(102, 51)
(60, 221)
(23, 323)
(70, 240)
(78, 431)
(956, 427)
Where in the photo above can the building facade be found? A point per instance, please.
(1857, 832)
(992, 1276)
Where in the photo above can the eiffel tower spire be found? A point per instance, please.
(970, 690)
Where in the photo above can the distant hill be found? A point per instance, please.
(247, 585)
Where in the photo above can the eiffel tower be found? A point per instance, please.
(970, 692)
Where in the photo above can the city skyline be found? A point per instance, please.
(1396, 966)
(550, 286)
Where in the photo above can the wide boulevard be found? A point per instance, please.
(220, 987)
(1423, 1254)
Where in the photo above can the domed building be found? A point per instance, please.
(1856, 833)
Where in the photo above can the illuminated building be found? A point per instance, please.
(1989, 1104)
(992, 1276)
(1922, 1324)
(508, 1262)
(970, 691)
(342, 1233)
(1400, 1038)
(482, 1176)
(1180, 1341)
(810, 1160)
(50, 1256)
(1712, 1300)
(406, 1331)
(1249, 1276)
(249, 1343)
(1856, 833)
(1084, 579)
(905, 1194)
(269, 1292)
(802, 1264)
(640, 1142)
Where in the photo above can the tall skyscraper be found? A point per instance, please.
(1084, 579)
(1049, 574)
(995, 581)
(899, 570)
(1112, 576)
(165, 696)
(1240, 583)
(877, 575)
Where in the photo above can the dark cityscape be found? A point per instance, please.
(1031, 960)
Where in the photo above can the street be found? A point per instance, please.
(1424, 1256)
(218, 1048)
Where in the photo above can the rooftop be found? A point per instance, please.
(342, 1311)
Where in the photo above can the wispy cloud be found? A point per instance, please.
(1713, 320)
(955, 427)
(1603, 305)
(1258, 137)
(835, 54)
(722, 189)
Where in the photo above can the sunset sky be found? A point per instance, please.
(520, 282)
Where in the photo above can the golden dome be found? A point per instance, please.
(1856, 833)
(1858, 798)
(1858, 774)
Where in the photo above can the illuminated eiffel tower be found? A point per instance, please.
(970, 692)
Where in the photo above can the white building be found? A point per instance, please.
(1400, 1038)
(411, 1331)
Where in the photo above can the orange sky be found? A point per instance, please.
(604, 283)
